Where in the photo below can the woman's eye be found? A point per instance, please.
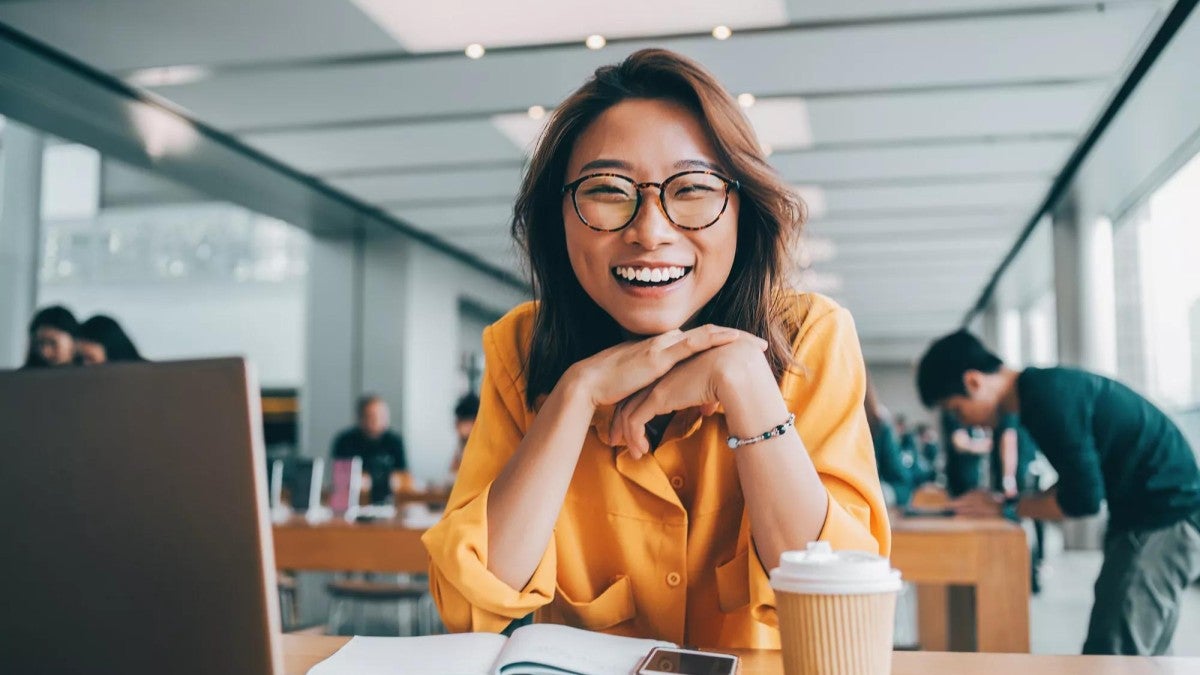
(693, 190)
(608, 192)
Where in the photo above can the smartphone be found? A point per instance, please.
(661, 661)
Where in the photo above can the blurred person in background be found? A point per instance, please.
(381, 449)
(102, 340)
(52, 335)
(1108, 444)
(464, 421)
(894, 470)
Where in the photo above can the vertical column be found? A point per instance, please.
(332, 359)
(1085, 295)
(1086, 311)
(20, 238)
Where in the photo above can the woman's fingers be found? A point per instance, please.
(693, 342)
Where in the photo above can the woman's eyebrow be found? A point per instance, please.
(696, 164)
(606, 164)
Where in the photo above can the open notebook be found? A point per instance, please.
(537, 649)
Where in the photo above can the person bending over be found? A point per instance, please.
(1107, 443)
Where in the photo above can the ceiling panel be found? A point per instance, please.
(826, 10)
(959, 159)
(120, 35)
(436, 219)
(1040, 110)
(449, 25)
(1019, 195)
(934, 226)
(851, 59)
(388, 147)
(433, 185)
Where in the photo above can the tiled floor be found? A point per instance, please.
(1059, 614)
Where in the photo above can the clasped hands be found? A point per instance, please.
(676, 371)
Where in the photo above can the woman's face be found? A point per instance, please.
(648, 141)
(56, 347)
(92, 353)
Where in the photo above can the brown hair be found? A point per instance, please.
(570, 326)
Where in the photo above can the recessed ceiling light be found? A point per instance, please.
(722, 32)
(536, 112)
(475, 50)
(595, 42)
(746, 100)
(167, 76)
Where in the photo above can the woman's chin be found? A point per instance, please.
(649, 326)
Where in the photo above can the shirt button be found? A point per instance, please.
(673, 579)
(677, 482)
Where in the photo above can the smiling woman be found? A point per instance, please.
(599, 488)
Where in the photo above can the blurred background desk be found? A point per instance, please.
(989, 555)
(335, 545)
(302, 652)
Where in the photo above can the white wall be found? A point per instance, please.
(167, 321)
(897, 389)
(432, 379)
(384, 318)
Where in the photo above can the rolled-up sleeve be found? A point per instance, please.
(469, 597)
(827, 399)
(826, 394)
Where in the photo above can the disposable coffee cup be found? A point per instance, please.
(836, 611)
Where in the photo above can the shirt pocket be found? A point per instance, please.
(612, 606)
(733, 583)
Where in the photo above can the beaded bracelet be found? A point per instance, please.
(735, 442)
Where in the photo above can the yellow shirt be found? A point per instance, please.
(658, 547)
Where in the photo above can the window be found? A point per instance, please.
(1158, 292)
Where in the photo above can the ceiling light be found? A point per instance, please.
(746, 100)
(722, 32)
(167, 76)
(536, 112)
(595, 42)
(475, 50)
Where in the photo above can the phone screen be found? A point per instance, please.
(685, 662)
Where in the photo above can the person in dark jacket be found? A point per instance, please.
(381, 449)
(1108, 444)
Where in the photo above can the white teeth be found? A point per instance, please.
(650, 275)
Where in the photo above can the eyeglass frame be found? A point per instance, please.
(573, 187)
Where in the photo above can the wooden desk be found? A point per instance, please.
(301, 652)
(384, 546)
(990, 555)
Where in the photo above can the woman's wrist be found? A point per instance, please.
(749, 394)
(576, 388)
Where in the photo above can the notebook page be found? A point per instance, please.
(461, 654)
(572, 650)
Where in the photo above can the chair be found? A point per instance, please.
(289, 604)
(411, 615)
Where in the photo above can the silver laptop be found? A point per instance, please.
(134, 522)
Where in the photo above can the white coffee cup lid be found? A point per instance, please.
(821, 570)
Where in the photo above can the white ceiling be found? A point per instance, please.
(929, 130)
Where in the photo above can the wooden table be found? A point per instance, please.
(301, 652)
(384, 546)
(991, 555)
